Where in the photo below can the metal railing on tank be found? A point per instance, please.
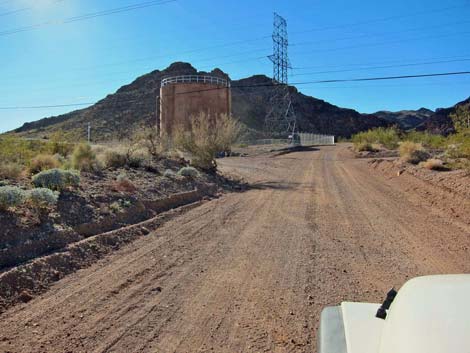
(195, 79)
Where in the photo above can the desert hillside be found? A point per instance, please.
(135, 104)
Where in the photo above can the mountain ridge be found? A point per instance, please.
(135, 104)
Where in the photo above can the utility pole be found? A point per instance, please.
(89, 132)
(281, 117)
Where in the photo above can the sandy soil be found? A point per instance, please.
(251, 271)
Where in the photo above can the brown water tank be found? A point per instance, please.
(182, 97)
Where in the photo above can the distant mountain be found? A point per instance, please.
(135, 104)
(440, 122)
(406, 119)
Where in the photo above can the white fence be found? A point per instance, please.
(316, 139)
(195, 79)
(266, 142)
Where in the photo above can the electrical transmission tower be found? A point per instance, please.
(281, 116)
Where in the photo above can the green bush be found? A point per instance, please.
(56, 179)
(83, 158)
(58, 144)
(188, 172)
(42, 197)
(426, 139)
(387, 137)
(135, 161)
(459, 145)
(11, 196)
(43, 162)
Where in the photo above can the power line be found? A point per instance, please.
(385, 43)
(382, 19)
(88, 16)
(386, 78)
(382, 67)
(13, 12)
(46, 106)
(269, 84)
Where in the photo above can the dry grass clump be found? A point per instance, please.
(10, 170)
(412, 152)
(43, 162)
(114, 159)
(205, 136)
(434, 164)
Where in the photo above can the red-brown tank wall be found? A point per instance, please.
(180, 101)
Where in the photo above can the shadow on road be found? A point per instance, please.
(295, 149)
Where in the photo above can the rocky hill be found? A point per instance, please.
(440, 122)
(406, 119)
(135, 104)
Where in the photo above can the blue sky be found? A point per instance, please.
(83, 61)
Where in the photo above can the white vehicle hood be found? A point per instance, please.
(362, 329)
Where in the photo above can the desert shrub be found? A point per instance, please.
(42, 198)
(59, 144)
(189, 172)
(426, 139)
(114, 159)
(205, 136)
(149, 139)
(412, 152)
(120, 205)
(135, 160)
(11, 196)
(461, 117)
(459, 145)
(10, 170)
(433, 164)
(116, 207)
(387, 137)
(83, 158)
(56, 179)
(14, 149)
(168, 173)
(43, 162)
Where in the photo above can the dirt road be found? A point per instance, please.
(251, 271)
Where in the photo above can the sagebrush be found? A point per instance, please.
(189, 172)
(57, 179)
(11, 196)
(42, 198)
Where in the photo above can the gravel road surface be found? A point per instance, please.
(250, 271)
